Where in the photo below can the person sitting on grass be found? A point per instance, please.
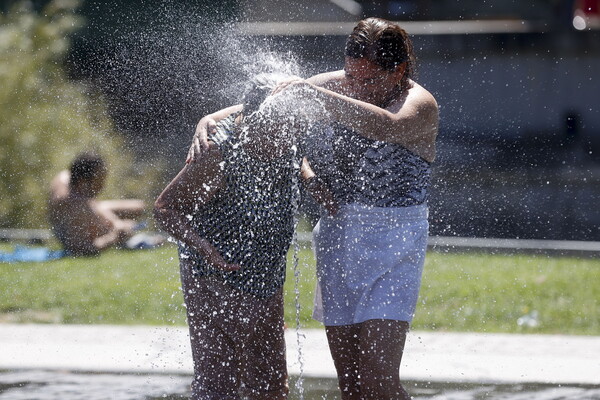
(84, 225)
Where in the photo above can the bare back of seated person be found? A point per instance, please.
(83, 224)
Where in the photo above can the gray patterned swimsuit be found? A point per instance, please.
(251, 220)
(369, 172)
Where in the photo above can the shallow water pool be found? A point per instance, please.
(67, 385)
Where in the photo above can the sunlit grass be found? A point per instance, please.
(118, 287)
(460, 292)
(489, 293)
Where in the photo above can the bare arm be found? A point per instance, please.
(411, 120)
(119, 231)
(115, 236)
(83, 229)
(193, 187)
(317, 188)
(412, 123)
(206, 126)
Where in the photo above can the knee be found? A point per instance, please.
(376, 383)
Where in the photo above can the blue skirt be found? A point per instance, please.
(369, 263)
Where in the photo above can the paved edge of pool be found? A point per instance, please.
(429, 356)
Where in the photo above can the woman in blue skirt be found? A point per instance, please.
(375, 153)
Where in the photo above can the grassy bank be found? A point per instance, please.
(460, 292)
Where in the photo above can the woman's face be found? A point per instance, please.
(367, 81)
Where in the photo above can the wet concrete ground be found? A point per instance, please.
(137, 362)
(67, 385)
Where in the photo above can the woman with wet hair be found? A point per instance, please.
(380, 143)
(232, 212)
(371, 254)
(374, 152)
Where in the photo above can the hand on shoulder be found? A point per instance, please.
(207, 165)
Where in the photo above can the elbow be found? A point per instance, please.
(161, 213)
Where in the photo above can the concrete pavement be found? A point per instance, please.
(429, 356)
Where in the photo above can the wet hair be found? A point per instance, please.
(382, 42)
(257, 90)
(280, 116)
(87, 166)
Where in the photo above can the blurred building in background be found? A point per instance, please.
(518, 85)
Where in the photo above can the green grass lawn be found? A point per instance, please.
(460, 292)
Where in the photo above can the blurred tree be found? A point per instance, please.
(46, 119)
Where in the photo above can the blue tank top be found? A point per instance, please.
(251, 220)
(366, 171)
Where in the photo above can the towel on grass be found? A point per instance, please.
(139, 241)
(31, 254)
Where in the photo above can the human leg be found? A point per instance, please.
(264, 364)
(380, 354)
(238, 342)
(344, 347)
(216, 367)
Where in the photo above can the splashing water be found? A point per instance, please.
(296, 268)
(180, 68)
(177, 68)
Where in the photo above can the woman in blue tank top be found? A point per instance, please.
(375, 154)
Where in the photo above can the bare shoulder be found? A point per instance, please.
(419, 101)
(327, 80)
(59, 186)
(213, 154)
(423, 98)
(208, 163)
